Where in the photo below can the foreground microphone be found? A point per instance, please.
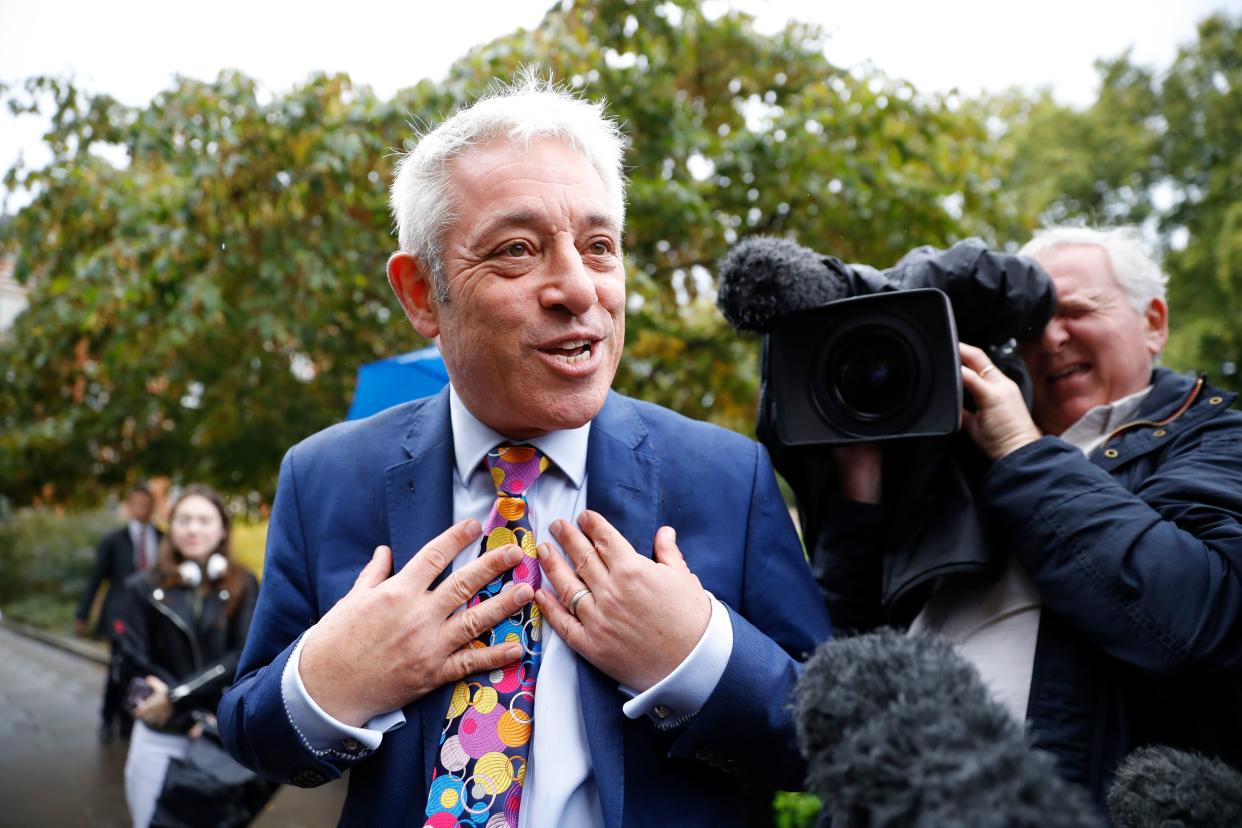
(900, 731)
(1162, 786)
(762, 280)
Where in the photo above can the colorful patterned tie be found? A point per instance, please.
(487, 730)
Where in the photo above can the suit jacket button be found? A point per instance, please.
(662, 711)
(352, 745)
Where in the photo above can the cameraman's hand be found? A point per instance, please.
(1000, 422)
(858, 471)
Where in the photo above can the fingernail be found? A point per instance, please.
(472, 526)
(513, 651)
(512, 554)
(523, 593)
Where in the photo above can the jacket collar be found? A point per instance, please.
(1177, 402)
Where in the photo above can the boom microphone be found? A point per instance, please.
(900, 731)
(763, 280)
(1162, 786)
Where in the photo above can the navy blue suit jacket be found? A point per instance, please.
(387, 480)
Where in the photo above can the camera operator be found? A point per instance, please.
(1113, 617)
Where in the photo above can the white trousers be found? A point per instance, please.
(145, 768)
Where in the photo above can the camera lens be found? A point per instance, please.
(872, 372)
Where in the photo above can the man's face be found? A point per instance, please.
(139, 506)
(1096, 349)
(533, 329)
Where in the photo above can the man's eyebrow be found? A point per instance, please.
(1079, 300)
(504, 221)
(530, 218)
(605, 221)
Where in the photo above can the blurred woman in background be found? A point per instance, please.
(185, 621)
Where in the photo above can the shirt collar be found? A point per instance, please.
(1104, 419)
(472, 440)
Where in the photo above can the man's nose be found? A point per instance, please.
(569, 283)
(1054, 336)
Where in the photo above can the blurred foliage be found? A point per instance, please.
(206, 272)
(45, 561)
(199, 307)
(795, 810)
(249, 542)
(1159, 149)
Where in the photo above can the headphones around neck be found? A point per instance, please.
(192, 574)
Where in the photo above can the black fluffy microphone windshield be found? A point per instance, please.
(900, 731)
(762, 280)
(1162, 786)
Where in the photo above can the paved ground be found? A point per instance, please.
(53, 772)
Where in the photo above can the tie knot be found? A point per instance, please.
(515, 468)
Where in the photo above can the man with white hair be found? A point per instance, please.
(1114, 617)
(622, 649)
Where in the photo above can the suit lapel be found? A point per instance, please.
(125, 546)
(419, 494)
(623, 484)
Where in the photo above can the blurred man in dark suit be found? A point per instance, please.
(126, 550)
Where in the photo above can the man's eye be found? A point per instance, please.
(516, 249)
(600, 248)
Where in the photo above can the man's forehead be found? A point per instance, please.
(513, 185)
(1081, 273)
(552, 159)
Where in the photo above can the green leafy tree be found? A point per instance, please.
(736, 133)
(1200, 128)
(202, 305)
(207, 271)
(1159, 149)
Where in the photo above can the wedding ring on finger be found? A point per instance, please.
(987, 368)
(573, 602)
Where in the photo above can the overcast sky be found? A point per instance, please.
(131, 49)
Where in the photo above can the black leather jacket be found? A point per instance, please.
(195, 653)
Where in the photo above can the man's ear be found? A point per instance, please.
(411, 281)
(1157, 319)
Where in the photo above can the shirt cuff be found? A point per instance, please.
(321, 733)
(681, 693)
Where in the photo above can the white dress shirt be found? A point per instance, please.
(995, 626)
(139, 532)
(565, 792)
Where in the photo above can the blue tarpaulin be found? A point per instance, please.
(396, 380)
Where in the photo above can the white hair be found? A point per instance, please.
(423, 200)
(1139, 275)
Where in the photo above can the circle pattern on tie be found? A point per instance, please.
(489, 723)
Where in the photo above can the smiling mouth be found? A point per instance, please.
(571, 351)
(1069, 372)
